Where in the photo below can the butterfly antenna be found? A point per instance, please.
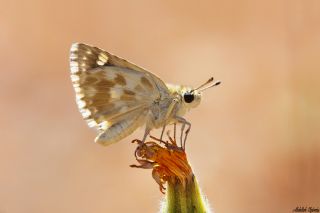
(201, 87)
(207, 82)
(213, 85)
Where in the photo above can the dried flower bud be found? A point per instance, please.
(170, 166)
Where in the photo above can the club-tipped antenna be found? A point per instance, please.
(213, 85)
(201, 87)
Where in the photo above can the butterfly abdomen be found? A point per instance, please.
(119, 130)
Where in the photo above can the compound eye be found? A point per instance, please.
(188, 97)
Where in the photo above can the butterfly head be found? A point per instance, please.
(191, 97)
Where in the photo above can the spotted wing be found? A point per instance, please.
(113, 95)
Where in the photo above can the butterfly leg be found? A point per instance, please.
(172, 140)
(169, 112)
(180, 120)
(184, 122)
(163, 129)
(186, 134)
(146, 133)
(174, 131)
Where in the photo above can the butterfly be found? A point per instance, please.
(116, 97)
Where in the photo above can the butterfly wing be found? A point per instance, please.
(113, 95)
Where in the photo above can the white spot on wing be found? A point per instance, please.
(81, 104)
(92, 123)
(75, 78)
(85, 113)
(74, 48)
(104, 125)
(74, 69)
(73, 56)
(100, 63)
(79, 96)
(73, 63)
(77, 89)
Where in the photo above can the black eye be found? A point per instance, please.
(188, 97)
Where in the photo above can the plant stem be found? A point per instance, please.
(184, 197)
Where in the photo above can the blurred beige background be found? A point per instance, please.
(255, 140)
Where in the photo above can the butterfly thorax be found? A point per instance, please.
(165, 109)
(158, 114)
